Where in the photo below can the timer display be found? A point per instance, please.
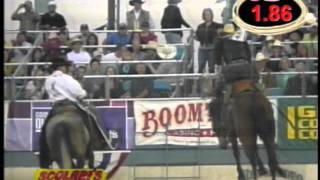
(269, 13)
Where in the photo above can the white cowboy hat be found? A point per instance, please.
(52, 3)
(52, 35)
(240, 35)
(166, 51)
(269, 38)
(75, 40)
(261, 57)
(277, 43)
(97, 53)
(229, 28)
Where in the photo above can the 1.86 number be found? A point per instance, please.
(275, 13)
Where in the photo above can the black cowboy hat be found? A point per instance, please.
(135, 1)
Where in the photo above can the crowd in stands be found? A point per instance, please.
(105, 61)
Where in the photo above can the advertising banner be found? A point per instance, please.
(173, 122)
(298, 123)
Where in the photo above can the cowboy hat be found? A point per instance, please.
(240, 35)
(151, 45)
(166, 51)
(75, 40)
(132, 2)
(261, 57)
(229, 28)
(52, 3)
(269, 38)
(97, 53)
(277, 43)
(52, 35)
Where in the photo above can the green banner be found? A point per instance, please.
(298, 123)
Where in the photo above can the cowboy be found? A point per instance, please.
(137, 15)
(232, 51)
(64, 90)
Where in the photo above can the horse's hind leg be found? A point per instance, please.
(250, 148)
(236, 154)
(262, 170)
(64, 158)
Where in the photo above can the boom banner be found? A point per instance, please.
(173, 122)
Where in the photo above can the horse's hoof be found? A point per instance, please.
(281, 172)
(262, 171)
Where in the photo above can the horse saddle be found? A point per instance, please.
(242, 86)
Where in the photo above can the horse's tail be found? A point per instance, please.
(64, 150)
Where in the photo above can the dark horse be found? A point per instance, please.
(68, 137)
(247, 116)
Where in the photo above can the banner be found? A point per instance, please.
(173, 122)
(298, 123)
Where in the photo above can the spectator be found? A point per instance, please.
(92, 85)
(64, 39)
(121, 37)
(146, 36)
(127, 68)
(312, 35)
(285, 66)
(114, 84)
(52, 47)
(20, 55)
(172, 18)
(92, 39)
(137, 15)
(301, 84)
(206, 33)
(267, 45)
(136, 48)
(78, 56)
(8, 58)
(141, 87)
(114, 57)
(97, 54)
(79, 73)
(52, 20)
(267, 80)
(34, 89)
(28, 19)
(302, 52)
(95, 67)
(277, 51)
(84, 30)
(37, 56)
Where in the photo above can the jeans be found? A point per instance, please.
(206, 55)
(173, 38)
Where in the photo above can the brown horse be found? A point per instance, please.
(247, 116)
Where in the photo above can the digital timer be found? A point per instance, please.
(275, 13)
(269, 17)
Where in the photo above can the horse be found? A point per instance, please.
(68, 137)
(247, 116)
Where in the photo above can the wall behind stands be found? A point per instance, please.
(94, 12)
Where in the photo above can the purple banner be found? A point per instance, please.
(23, 127)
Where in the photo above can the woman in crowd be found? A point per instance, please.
(146, 36)
(92, 39)
(141, 87)
(206, 34)
(34, 89)
(37, 56)
(115, 85)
